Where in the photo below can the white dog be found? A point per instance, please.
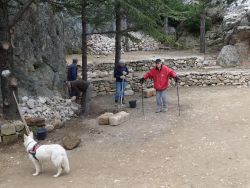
(53, 152)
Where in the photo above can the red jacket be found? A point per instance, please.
(160, 77)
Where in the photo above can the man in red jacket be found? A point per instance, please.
(160, 75)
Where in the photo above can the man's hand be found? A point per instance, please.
(124, 73)
(142, 80)
(73, 98)
(122, 77)
(177, 79)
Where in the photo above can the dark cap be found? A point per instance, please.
(75, 60)
(158, 61)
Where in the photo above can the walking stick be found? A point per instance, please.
(178, 98)
(142, 105)
(121, 97)
(23, 120)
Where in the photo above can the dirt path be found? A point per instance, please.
(208, 146)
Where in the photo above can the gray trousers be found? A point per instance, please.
(161, 99)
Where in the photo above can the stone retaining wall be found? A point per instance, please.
(188, 78)
(215, 77)
(193, 71)
(187, 63)
(10, 131)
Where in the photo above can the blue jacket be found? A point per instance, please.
(72, 72)
(118, 72)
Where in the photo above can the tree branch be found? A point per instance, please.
(20, 13)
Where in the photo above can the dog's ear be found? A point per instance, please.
(31, 134)
(25, 137)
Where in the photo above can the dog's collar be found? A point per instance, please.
(33, 151)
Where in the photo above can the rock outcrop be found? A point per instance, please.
(39, 61)
(236, 24)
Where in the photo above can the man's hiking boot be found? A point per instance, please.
(158, 111)
(164, 110)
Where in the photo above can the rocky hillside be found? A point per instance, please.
(39, 61)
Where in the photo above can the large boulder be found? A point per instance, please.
(38, 46)
(236, 25)
(229, 57)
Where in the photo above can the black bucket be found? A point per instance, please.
(132, 104)
(41, 133)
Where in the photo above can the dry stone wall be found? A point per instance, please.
(193, 71)
(187, 63)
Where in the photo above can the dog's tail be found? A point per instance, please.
(65, 164)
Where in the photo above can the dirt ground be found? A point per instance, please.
(138, 55)
(208, 146)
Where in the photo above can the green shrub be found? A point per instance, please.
(192, 23)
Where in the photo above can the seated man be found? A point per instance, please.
(80, 86)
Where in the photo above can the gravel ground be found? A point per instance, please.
(208, 146)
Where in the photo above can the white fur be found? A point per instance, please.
(5, 73)
(54, 153)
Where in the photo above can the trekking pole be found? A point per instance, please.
(178, 98)
(121, 97)
(142, 105)
(23, 120)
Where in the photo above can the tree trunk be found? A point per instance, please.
(126, 38)
(202, 33)
(84, 40)
(6, 62)
(84, 53)
(118, 36)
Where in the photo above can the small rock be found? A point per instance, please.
(8, 129)
(129, 92)
(42, 100)
(57, 124)
(71, 141)
(149, 92)
(49, 127)
(31, 103)
(19, 125)
(118, 118)
(104, 118)
(35, 121)
(25, 99)
(10, 138)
